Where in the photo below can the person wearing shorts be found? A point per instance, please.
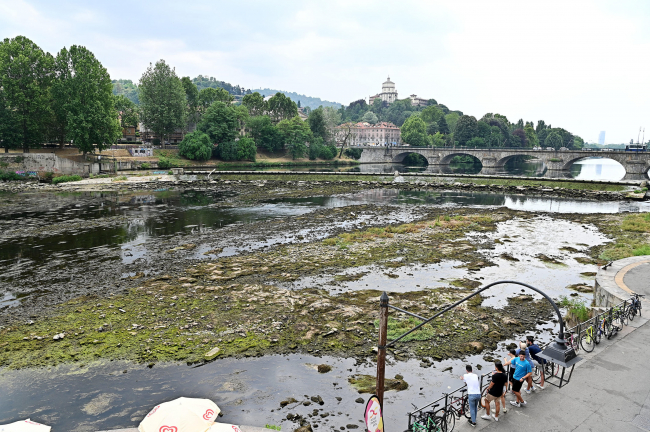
(495, 391)
(522, 372)
(524, 347)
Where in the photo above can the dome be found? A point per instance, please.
(388, 83)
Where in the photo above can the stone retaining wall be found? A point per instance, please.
(607, 291)
(48, 162)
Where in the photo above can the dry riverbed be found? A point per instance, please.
(193, 308)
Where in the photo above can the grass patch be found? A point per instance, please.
(631, 238)
(120, 178)
(576, 307)
(397, 327)
(9, 176)
(66, 178)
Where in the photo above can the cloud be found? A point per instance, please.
(578, 64)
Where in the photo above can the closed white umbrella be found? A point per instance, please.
(181, 415)
(24, 426)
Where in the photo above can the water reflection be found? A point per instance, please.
(597, 169)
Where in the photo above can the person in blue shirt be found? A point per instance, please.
(534, 349)
(523, 347)
(522, 372)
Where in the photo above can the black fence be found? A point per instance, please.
(585, 335)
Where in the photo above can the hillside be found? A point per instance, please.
(305, 101)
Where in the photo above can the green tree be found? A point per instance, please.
(281, 107)
(318, 123)
(414, 132)
(578, 142)
(246, 149)
(432, 128)
(265, 134)
(553, 140)
(220, 122)
(9, 136)
(476, 142)
(255, 104)
(295, 133)
(196, 146)
(437, 140)
(25, 79)
(370, 117)
(451, 120)
(466, 129)
(126, 88)
(163, 106)
(82, 96)
(531, 136)
(192, 98)
(210, 95)
(127, 111)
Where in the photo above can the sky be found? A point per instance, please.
(580, 65)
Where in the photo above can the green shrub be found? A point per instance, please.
(8, 175)
(577, 307)
(4, 164)
(643, 250)
(164, 163)
(246, 149)
(354, 153)
(19, 159)
(145, 166)
(66, 178)
(227, 151)
(196, 146)
(170, 172)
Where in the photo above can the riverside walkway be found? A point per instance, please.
(610, 387)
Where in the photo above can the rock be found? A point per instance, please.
(287, 402)
(476, 346)
(352, 426)
(359, 400)
(324, 368)
(306, 403)
(318, 400)
(212, 353)
(58, 336)
(338, 398)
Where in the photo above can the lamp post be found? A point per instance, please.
(556, 352)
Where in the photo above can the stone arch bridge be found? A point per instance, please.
(558, 162)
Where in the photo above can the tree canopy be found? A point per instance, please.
(25, 79)
(414, 132)
(295, 133)
(163, 106)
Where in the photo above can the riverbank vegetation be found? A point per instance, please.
(630, 234)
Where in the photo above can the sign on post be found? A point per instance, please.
(373, 417)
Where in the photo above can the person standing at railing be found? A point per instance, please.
(534, 349)
(523, 347)
(473, 393)
(495, 391)
(522, 372)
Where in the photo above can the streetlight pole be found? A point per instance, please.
(381, 348)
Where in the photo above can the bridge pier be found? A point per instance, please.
(635, 170)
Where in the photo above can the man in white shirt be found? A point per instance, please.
(473, 393)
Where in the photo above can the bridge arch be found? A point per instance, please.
(569, 163)
(399, 158)
(446, 160)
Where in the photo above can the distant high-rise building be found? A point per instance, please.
(601, 137)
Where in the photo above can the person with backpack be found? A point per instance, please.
(534, 349)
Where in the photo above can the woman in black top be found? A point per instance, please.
(495, 391)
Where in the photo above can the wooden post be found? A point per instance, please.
(381, 348)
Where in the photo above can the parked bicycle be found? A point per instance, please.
(549, 369)
(429, 421)
(588, 339)
(635, 306)
(457, 407)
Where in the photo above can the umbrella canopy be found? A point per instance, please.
(24, 426)
(224, 427)
(181, 415)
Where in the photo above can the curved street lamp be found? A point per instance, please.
(556, 352)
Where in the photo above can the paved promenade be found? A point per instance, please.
(610, 387)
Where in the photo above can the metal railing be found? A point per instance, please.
(458, 395)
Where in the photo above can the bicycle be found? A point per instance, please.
(572, 341)
(549, 369)
(429, 422)
(457, 408)
(588, 339)
(635, 306)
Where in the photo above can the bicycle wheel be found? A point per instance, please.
(466, 411)
(608, 329)
(449, 421)
(624, 319)
(537, 374)
(587, 341)
(551, 369)
(597, 335)
(575, 342)
(631, 313)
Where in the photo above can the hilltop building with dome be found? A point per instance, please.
(388, 93)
